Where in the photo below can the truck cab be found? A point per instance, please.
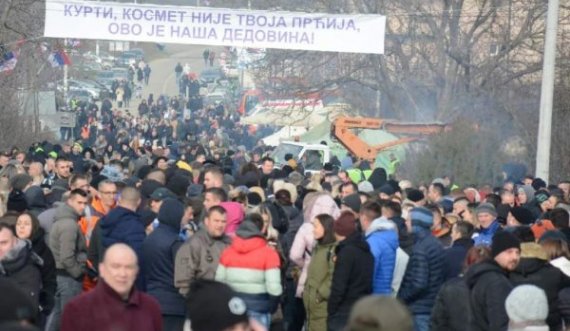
(311, 156)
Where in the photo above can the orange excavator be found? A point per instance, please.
(342, 129)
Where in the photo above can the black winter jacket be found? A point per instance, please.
(49, 282)
(159, 251)
(352, 276)
(451, 310)
(424, 273)
(22, 266)
(489, 288)
(455, 256)
(534, 269)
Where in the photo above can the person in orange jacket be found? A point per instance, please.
(103, 201)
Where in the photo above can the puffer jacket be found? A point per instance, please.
(67, 243)
(314, 204)
(424, 273)
(295, 222)
(251, 268)
(451, 309)
(318, 286)
(383, 241)
(49, 283)
(198, 258)
(488, 289)
(23, 266)
(122, 225)
(534, 269)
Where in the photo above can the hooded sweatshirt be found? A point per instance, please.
(251, 267)
(234, 216)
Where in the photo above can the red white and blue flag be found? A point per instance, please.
(59, 59)
(8, 61)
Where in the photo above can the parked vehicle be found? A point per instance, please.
(210, 75)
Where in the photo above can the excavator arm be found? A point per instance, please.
(342, 128)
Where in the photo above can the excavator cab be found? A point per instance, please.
(311, 156)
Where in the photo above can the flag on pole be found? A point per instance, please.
(59, 59)
(8, 61)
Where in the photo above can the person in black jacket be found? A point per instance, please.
(451, 309)
(354, 268)
(159, 251)
(425, 270)
(535, 269)
(461, 233)
(19, 263)
(489, 285)
(28, 227)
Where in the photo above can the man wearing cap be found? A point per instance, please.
(115, 304)
(425, 272)
(519, 216)
(489, 285)
(351, 203)
(214, 306)
(487, 216)
(156, 199)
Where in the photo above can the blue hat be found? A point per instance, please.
(421, 217)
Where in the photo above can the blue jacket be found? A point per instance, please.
(455, 256)
(424, 273)
(159, 252)
(485, 237)
(122, 225)
(383, 241)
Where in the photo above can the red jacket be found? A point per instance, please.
(103, 309)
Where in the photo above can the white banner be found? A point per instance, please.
(214, 26)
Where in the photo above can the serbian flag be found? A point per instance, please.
(8, 61)
(59, 59)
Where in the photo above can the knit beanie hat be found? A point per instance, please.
(171, 212)
(387, 189)
(345, 224)
(353, 202)
(178, 185)
(488, 208)
(422, 217)
(379, 313)
(214, 306)
(522, 215)
(365, 187)
(415, 195)
(503, 240)
(541, 195)
(527, 303)
(20, 181)
(17, 201)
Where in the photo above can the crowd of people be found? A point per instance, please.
(175, 218)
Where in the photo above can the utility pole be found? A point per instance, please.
(548, 76)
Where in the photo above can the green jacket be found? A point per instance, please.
(318, 286)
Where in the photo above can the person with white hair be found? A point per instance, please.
(527, 308)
